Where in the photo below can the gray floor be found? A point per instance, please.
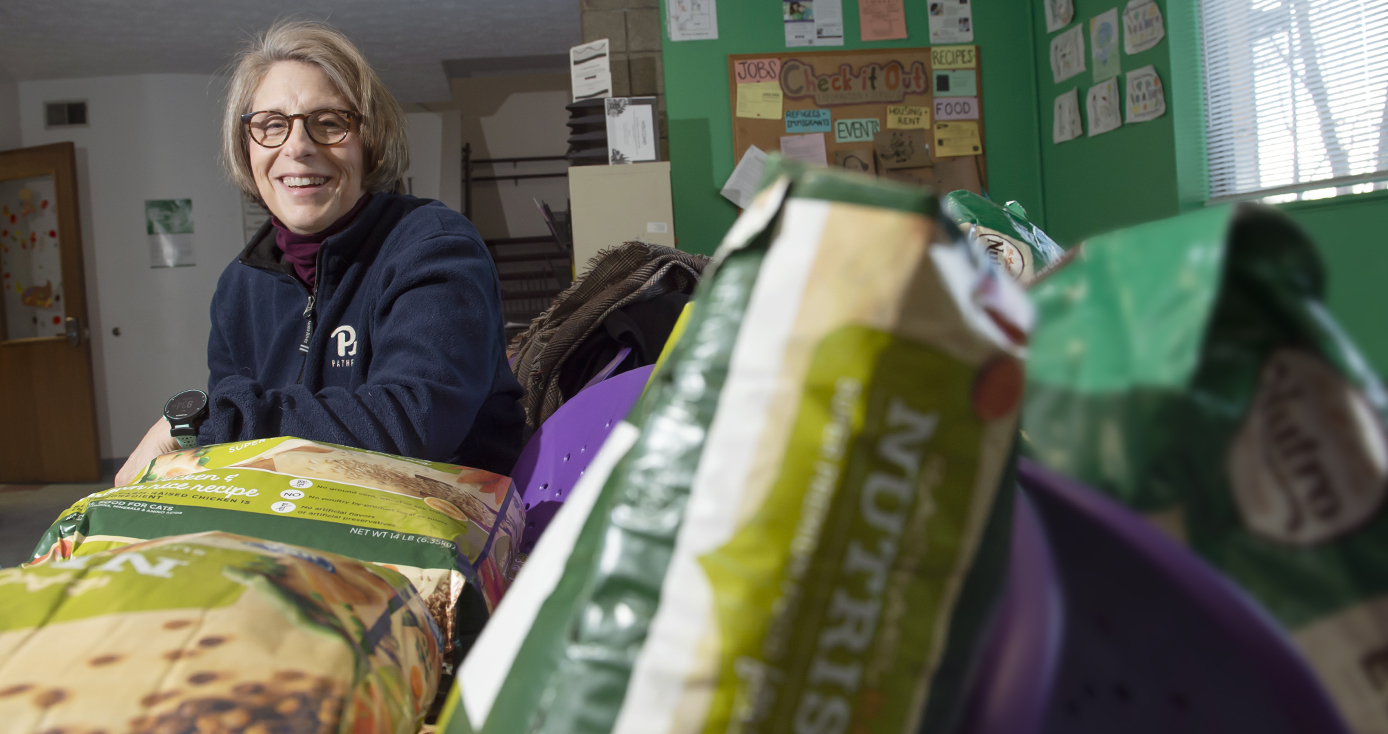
(26, 511)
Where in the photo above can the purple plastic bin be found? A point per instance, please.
(1021, 657)
(559, 452)
(1156, 640)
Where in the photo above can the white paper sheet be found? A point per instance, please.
(1059, 13)
(805, 148)
(631, 133)
(1067, 54)
(742, 185)
(1067, 117)
(828, 22)
(1145, 98)
(951, 21)
(591, 70)
(692, 20)
(1102, 105)
(1142, 26)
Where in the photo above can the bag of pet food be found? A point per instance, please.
(1189, 368)
(1018, 247)
(807, 527)
(214, 633)
(451, 530)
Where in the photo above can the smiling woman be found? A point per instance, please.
(356, 315)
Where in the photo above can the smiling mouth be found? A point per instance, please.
(299, 182)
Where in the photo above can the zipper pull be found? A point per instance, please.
(308, 327)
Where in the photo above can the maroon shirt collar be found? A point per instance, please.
(301, 250)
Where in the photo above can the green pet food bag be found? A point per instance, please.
(451, 530)
(1018, 247)
(805, 525)
(1189, 368)
(214, 633)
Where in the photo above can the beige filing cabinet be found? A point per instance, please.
(616, 204)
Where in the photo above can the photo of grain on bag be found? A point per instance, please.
(807, 523)
(214, 633)
(1016, 245)
(1190, 368)
(435, 523)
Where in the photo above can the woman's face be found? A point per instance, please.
(306, 185)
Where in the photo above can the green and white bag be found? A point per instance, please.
(1190, 368)
(807, 525)
(1018, 247)
(449, 529)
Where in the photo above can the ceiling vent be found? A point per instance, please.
(65, 114)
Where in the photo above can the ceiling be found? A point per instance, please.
(410, 43)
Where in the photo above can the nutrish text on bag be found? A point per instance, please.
(214, 633)
(451, 530)
(1190, 368)
(808, 524)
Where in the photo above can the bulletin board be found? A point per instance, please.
(862, 85)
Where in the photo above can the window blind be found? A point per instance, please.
(1296, 97)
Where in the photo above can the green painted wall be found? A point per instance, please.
(1073, 190)
(1093, 185)
(700, 118)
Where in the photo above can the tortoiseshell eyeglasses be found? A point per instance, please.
(326, 127)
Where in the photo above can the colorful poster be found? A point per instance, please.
(1142, 26)
(31, 263)
(798, 17)
(1102, 106)
(1103, 45)
(956, 83)
(1067, 117)
(1059, 13)
(169, 224)
(881, 20)
(590, 68)
(861, 130)
(761, 100)
(692, 20)
(905, 117)
(956, 108)
(845, 84)
(1067, 54)
(805, 148)
(957, 138)
(954, 57)
(808, 121)
(951, 21)
(1145, 99)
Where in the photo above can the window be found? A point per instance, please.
(1295, 94)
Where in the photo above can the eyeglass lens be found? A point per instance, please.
(325, 127)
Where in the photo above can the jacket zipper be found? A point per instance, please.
(308, 308)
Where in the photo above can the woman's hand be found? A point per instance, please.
(156, 442)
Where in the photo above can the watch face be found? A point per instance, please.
(185, 405)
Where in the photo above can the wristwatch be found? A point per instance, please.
(185, 412)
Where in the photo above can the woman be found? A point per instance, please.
(356, 315)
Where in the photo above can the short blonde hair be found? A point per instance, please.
(383, 129)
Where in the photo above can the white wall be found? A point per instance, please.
(528, 124)
(9, 116)
(426, 152)
(149, 137)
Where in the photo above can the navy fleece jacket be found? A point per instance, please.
(399, 349)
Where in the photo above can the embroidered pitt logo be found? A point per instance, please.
(346, 338)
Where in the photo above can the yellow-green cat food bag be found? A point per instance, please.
(214, 633)
(449, 529)
(804, 524)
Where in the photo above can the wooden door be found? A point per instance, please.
(47, 405)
